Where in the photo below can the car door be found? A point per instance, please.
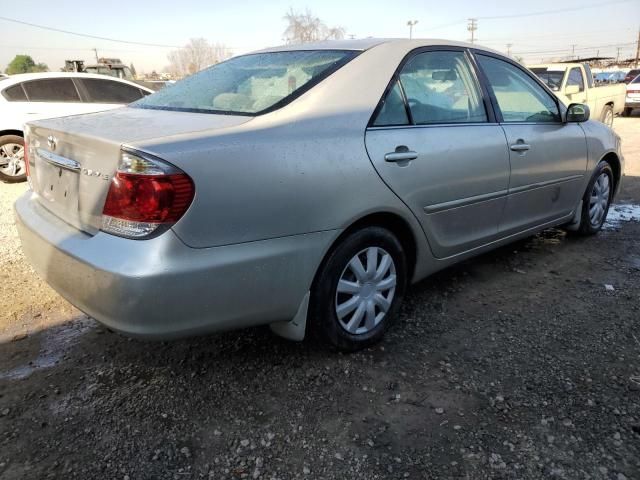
(434, 141)
(548, 157)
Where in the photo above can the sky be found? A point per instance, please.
(245, 25)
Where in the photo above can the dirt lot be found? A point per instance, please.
(519, 364)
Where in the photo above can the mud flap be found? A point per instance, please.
(574, 225)
(294, 329)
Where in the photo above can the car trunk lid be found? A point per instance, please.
(73, 159)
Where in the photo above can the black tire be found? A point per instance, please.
(627, 111)
(323, 318)
(12, 139)
(586, 225)
(606, 116)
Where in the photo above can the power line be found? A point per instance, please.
(559, 10)
(530, 14)
(86, 35)
(577, 48)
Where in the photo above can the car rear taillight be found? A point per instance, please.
(633, 91)
(145, 195)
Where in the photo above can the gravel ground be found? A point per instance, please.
(522, 363)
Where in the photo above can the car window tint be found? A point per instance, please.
(575, 78)
(51, 90)
(440, 88)
(107, 91)
(393, 111)
(519, 97)
(15, 94)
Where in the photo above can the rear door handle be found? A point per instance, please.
(520, 147)
(401, 156)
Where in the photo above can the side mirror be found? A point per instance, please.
(571, 89)
(578, 112)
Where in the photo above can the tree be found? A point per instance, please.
(306, 27)
(25, 64)
(195, 56)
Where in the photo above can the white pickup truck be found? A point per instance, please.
(573, 83)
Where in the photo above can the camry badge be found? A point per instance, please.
(52, 142)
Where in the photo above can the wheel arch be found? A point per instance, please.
(19, 133)
(393, 222)
(612, 159)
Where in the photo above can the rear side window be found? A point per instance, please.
(519, 97)
(51, 90)
(15, 93)
(392, 111)
(439, 88)
(575, 78)
(107, 91)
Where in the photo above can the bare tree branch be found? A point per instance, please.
(306, 27)
(195, 56)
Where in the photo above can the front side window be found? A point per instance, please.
(51, 90)
(519, 97)
(553, 78)
(575, 78)
(108, 91)
(248, 84)
(15, 94)
(440, 88)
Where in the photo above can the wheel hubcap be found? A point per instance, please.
(365, 290)
(12, 159)
(608, 118)
(599, 200)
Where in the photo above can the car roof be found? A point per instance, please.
(362, 44)
(23, 77)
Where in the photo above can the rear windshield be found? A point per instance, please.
(250, 84)
(553, 78)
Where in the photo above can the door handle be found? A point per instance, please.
(402, 154)
(520, 146)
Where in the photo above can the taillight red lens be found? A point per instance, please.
(145, 193)
(149, 198)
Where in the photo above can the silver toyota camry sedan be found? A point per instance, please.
(306, 187)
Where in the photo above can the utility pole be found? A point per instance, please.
(410, 24)
(573, 50)
(638, 49)
(95, 50)
(509, 45)
(618, 56)
(472, 26)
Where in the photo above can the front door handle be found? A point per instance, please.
(402, 154)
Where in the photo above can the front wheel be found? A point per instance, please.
(607, 116)
(596, 200)
(12, 166)
(358, 289)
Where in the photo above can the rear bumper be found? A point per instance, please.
(161, 288)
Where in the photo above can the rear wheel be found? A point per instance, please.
(607, 115)
(358, 289)
(12, 166)
(596, 200)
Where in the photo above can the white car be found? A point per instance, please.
(633, 96)
(35, 96)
